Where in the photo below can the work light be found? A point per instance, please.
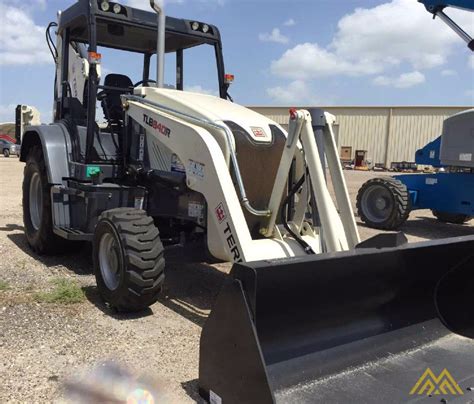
(105, 6)
(117, 8)
(205, 28)
(195, 26)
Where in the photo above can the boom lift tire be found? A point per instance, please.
(451, 217)
(128, 259)
(37, 212)
(384, 203)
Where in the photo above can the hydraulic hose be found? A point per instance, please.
(306, 247)
(216, 125)
(50, 42)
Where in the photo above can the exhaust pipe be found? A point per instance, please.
(160, 43)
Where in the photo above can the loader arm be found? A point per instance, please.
(208, 173)
(436, 7)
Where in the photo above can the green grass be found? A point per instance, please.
(65, 291)
(3, 285)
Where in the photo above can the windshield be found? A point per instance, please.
(196, 70)
(199, 72)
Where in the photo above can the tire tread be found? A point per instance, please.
(402, 201)
(143, 258)
(454, 218)
(45, 241)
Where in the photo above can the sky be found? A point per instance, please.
(291, 53)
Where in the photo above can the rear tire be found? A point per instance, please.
(384, 203)
(6, 153)
(37, 214)
(128, 259)
(454, 218)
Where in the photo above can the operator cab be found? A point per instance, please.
(83, 30)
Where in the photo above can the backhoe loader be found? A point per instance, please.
(305, 300)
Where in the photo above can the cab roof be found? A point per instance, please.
(131, 29)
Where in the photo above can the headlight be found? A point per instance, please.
(105, 6)
(205, 28)
(195, 26)
(117, 8)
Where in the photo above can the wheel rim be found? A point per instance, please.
(109, 261)
(377, 203)
(36, 201)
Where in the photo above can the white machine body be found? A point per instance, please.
(187, 130)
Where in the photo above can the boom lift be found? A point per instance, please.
(386, 202)
(436, 7)
(305, 298)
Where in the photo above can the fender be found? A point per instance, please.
(54, 142)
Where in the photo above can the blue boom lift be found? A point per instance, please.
(386, 202)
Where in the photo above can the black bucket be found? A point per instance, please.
(303, 329)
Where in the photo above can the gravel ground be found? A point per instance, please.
(43, 345)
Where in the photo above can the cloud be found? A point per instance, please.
(26, 4)
(289, 23)
(448, 72)
(21, 40)
(372, 40)
(311, 61)
(199, 89)
(405, 80)
(296, 92)
(275, 36)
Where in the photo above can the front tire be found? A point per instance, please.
(128, 259)
(6, 153)
(454, 218)
(384, 203)
(37, 214)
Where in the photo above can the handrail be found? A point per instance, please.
(203, 122)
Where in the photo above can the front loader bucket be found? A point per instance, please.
(358, 326)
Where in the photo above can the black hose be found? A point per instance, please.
(50, 42)
(306, 247)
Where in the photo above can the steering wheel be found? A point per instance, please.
(143, 82)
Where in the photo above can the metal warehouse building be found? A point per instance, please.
(388, 134)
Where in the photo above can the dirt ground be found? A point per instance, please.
(44, 345)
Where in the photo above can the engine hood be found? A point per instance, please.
(213, 109)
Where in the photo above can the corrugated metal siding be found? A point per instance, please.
(367, 128)
(364, 130)
(414, 128)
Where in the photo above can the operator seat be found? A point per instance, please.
(110, 98)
